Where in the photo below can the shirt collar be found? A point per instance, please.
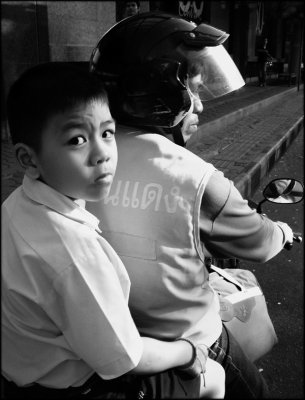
(51, 198)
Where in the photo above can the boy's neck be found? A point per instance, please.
(80, 202)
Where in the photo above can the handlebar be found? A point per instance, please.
(296, 238)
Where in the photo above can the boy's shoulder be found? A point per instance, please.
(11, 201)
(45, 218)
(36, 233)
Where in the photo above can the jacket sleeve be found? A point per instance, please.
(229, 228)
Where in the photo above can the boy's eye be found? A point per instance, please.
(77, 140)
(107, 134)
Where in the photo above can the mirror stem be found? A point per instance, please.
(259, 207)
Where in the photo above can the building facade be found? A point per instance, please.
(38, 31)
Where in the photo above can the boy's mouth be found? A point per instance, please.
(104, 177)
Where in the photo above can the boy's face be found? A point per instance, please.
(78, 154)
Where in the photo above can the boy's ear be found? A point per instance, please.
(26, 157)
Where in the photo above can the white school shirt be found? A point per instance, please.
(64, 294)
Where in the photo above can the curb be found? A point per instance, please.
(249, 182)
(224, 121)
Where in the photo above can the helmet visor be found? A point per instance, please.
(212, 73)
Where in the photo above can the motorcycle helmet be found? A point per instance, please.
(147, 61)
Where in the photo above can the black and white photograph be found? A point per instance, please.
(152, 199)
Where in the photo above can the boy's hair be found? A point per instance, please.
(46, 90)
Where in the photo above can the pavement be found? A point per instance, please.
(243, 134)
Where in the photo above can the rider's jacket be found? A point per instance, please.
(151, 219)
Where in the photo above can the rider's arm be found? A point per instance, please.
(230, 228)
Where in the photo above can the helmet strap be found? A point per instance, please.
(177, 135)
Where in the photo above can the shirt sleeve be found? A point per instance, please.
(93, 313)
(229, 228)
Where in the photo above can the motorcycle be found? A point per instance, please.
(243, 308)
(282, 191)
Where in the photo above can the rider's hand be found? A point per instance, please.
(287, 231)
(197, 365)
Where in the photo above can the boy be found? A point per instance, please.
(67, 329)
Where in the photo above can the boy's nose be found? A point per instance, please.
(99, 153)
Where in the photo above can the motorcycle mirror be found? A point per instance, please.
(284, 190)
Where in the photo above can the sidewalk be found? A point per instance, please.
(243, 134)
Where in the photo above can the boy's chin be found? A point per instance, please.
(98, 196)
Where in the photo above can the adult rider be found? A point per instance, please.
(168, 208)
